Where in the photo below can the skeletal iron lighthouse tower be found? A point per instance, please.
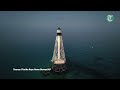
(58, 59)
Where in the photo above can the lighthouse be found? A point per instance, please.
(58, 59)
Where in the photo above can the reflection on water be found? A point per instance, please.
(77, 71)
(19, 49)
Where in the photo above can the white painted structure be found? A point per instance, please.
(58, 54)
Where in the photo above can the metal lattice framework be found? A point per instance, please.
(59, 54)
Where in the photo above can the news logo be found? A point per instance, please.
(110, 18)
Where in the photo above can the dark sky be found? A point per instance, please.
(40, 26)
(31, 25)
(68, 20)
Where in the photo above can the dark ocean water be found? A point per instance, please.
(90, 55)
